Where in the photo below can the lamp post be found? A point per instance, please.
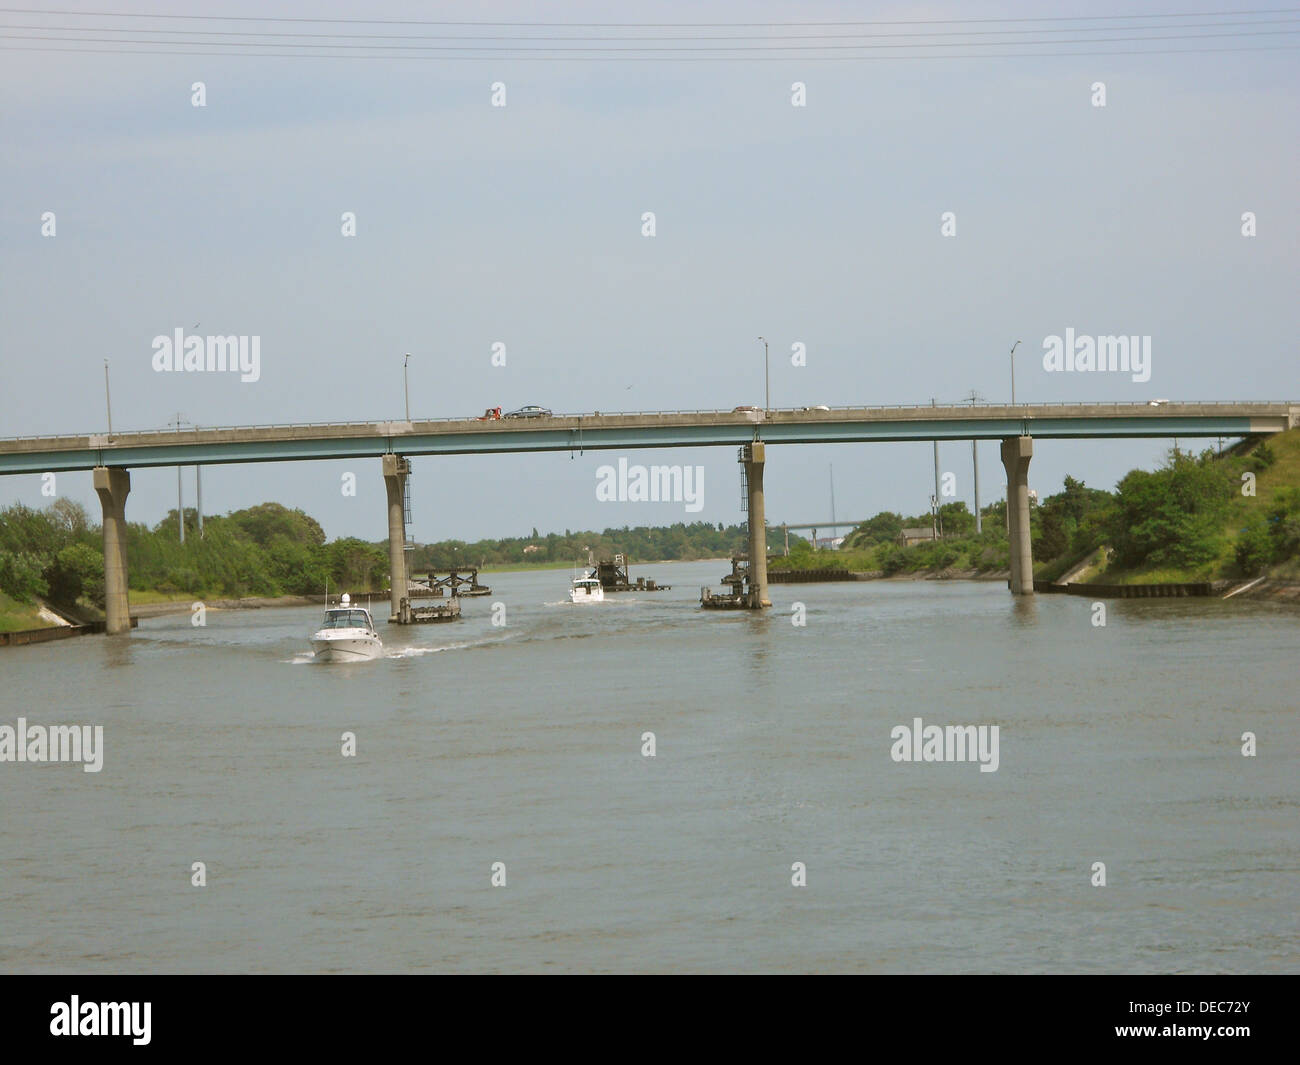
(1013, 372)
(108, 401)
(767, 379)
(406, 383)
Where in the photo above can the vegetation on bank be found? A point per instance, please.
(874, 546)
(16, 616)
(56, 555)
(1197, 517)
(671, 543)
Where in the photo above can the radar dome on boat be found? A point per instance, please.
(346, 598)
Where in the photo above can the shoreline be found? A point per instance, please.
(252, 602)
(1269, 589)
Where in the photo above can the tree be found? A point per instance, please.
(1172, 516)
(956, 520)
(77, 570)
(20, 575)
(269, 521)
(68, 516)
(882, 529)
(1053, 538)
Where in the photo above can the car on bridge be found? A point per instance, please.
(531, 411)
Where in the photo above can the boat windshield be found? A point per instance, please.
(346, 619)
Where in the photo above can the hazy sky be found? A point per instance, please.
(523, 225)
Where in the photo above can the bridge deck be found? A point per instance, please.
(282, 443)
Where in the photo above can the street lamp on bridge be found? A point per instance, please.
(767, 378)
(407, 385)
(1013, 372)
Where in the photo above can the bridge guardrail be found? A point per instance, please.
(522, 424)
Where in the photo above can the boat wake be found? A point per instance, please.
(416, 652)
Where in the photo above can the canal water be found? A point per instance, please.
(522, 744)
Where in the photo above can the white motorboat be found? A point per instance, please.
(346, 635)
(586, 590)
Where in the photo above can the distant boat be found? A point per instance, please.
(347, 634)
(586, 590)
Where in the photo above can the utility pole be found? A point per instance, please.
(198, 492)
(935, 522)
(832, 502)
(180, 497)
(974, 398)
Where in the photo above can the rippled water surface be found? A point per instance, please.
(522, 744)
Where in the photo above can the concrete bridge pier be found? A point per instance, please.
(396, 469)
(1016, 453)
(112, 484)
(753, 457)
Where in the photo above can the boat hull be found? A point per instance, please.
(347, 649)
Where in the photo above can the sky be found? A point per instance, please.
(522, 225)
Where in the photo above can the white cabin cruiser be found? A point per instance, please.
(586, 590)
(346, 635)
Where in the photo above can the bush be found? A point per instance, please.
(77, 570)
(20, 575)
(894, 559)
(1262, 457)
(1254, 550)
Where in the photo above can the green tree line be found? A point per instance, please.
(57, 554)
(642, 543)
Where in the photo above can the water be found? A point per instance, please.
(522, 744)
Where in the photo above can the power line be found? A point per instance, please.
(677, 38)
(538, 55)
(644, 25)
(493, 50)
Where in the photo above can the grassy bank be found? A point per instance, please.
(1249, 535)
(16, 616)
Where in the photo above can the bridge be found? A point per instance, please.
(111, 456)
